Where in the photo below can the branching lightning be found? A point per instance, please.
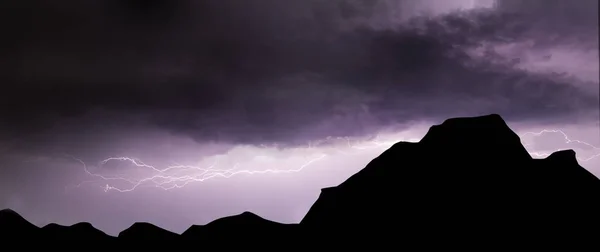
(165, 181)
(169, 177)
(178, 176)
(567, 141)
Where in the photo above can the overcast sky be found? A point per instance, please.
(256, 85)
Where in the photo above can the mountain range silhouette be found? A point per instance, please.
(468, 183)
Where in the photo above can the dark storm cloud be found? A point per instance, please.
(264, 70)
(555, 12)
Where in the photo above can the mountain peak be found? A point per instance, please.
(9, 216)
(14, 225)
(248, 214)
(146, 231)
(242, 227)
(466, 172)
(246, 217)
(485, 136)
(78, 231)
(9, 213)
(567, 156)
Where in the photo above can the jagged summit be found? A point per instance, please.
(468, 181)
(466, 174)
(483, 137)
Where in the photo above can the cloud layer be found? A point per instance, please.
(268, 70)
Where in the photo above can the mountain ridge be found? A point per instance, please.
(467, 181)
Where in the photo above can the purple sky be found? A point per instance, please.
(253, 89)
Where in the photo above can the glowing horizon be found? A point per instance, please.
(262, 159)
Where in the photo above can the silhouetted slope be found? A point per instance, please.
(142, 231)
(246, 227)
(79, 231)
(469, 181)
(13, 225)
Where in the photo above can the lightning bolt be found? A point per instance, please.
(166, 178)
(566, 139)
(178, 176)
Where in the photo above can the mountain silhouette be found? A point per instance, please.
(142, 231)
(247, 227)
(468, 182)
(13, 226)
(79, 231)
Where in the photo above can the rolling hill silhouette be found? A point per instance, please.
(142, 231)
(468, 182)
